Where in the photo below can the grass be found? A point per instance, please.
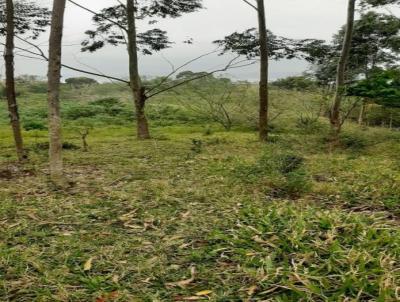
(197, 215)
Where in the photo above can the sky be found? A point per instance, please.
(289, 18)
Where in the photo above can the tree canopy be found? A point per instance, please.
(247, 43)
(29, 18)
(383, 86)
(376, 42)
(111, 24)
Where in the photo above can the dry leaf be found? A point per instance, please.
(252, 290)
(115, 278)
(88, 264)
(204, 292)
(184, 283)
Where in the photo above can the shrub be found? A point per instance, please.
(37, 87)
(110, 106)
(197, 146)
(80, 111)
(45, 146)
(80, 81)
(353, 141)
(283, 174)
(34, 124)
(295, 83)
(308, 124)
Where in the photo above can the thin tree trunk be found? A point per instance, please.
(391, 120)
(10, 82)
(138, 90)
(335, 118)
(362, 113)
(263, 89)
(54, 75)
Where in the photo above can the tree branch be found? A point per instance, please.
(228, 66)
(252, 5)
(175, 70)
(94, 13)
(45, 58)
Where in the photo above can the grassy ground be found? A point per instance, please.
(199, 213)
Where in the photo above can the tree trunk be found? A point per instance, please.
(54, 75)
(335, 118)
(391, 120)
(138, 90)
(362, 113)
(263, 89)
(10, 82)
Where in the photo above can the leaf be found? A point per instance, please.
(88, 264)
(184, 283)
(252, 290)
(204, 292)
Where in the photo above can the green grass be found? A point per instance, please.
(223, 219)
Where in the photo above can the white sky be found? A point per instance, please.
(289, 18)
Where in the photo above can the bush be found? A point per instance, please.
(308, 124)
(80, 111)
(45, 146)
(110, 106)
(284, 174)
(38, 87)
(80, 81)
(34, 124)
(300, 83)
(353, 141)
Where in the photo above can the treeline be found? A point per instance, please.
(360, 65)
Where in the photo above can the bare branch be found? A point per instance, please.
(252, 5)
(45, 58)
(227, 67)
(94, 13)
(175, 70)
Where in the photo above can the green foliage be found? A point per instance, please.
(111, 106)
(375, 43)
(354, 141)
(45, 146)
(382, 86)
(34, 124)
(197, 146)
(37, 87)
(284, 174)
(80, 81)
(300, 83)
(74, 112)
(311, 254)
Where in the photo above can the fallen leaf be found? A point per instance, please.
(252, 290)
(184, 283)
(115, 278)
(204, 292)
(88, 264)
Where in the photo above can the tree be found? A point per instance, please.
(360, 46)
(252, 44)
(80, 81)
(116, 25)
(382, 86)
(18, 18)
(54, 75)
(335, 116)
(335, 119)
(263, 89)
(10, 83)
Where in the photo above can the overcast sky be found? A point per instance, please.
(290, 18)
